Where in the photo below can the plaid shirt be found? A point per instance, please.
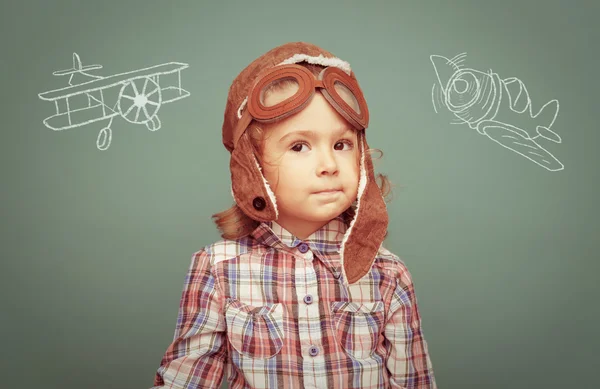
(276, 315)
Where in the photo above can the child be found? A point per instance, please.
(300, 292)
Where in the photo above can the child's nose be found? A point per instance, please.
(327, 163)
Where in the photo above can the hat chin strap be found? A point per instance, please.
(366, 232)
(267, 188)
(249, 187)
(362, 184)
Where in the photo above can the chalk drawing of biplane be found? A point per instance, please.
(136, 96)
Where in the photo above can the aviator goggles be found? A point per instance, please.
(339, 89)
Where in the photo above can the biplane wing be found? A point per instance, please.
(117, 79)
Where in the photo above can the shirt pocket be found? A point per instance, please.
(255, 332)
(358, 326)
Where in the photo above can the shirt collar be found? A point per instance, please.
(326, 241)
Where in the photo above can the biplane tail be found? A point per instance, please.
(77, 68)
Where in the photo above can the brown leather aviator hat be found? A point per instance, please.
(339, 86)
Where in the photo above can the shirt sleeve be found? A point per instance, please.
(408, 360)
(197, 355)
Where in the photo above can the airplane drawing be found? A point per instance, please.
(136, 96)
(493, 106)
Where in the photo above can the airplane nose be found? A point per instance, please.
(444, 69)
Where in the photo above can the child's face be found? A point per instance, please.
(298, 166)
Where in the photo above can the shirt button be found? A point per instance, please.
(308, 299)
(303, 247)
(313, 351)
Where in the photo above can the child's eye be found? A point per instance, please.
(345, 142)
(297, 147)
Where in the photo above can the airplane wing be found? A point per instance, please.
(511, 138)
(116, 79)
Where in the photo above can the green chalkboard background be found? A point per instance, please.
(504, 252)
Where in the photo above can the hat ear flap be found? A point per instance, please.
(368, 228)
(249, 187)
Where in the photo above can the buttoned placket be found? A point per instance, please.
(309, 324)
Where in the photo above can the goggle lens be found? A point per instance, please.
(278, 91)
(344, 92)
